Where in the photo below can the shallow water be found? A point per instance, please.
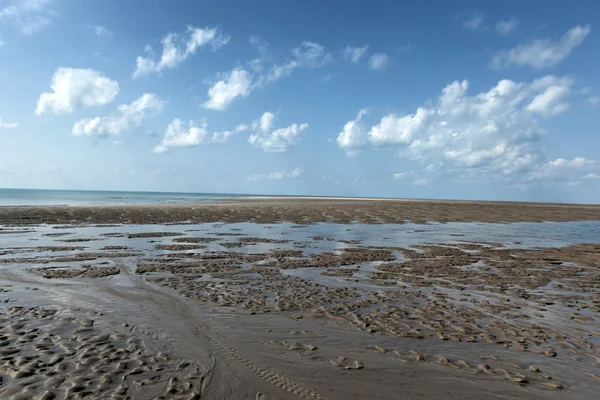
(238, 289)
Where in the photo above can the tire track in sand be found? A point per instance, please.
(176, 307)
(202, 332)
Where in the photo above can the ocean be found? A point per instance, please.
(35, 197)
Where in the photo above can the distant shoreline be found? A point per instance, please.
(271, 209)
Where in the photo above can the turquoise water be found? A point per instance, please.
(30, 197)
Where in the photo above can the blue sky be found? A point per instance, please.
(465, 99)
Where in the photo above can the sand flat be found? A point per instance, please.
(319, 307)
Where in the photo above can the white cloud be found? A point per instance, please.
(100, 31)
(401, 175)
(307, 55)
(354, 54)
(399, 130)
(354, 135)
(126, 116)
(274, 141)
(551, 101)
(378, 61)
(223, 136)
(75, 88)
(591, 175)
(475, 22)
(277, 175)
(178, 135)
(239, 82)
(7, 125)
(593, 101)
(562, 170)
(506, 27)
(493, 135)
(542, 53)
(236, 83)
(177, 49)
(260, 44)
(29, 16)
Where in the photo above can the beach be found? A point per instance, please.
(300, 298)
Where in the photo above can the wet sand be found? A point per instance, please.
(302, 211)
(188, 308)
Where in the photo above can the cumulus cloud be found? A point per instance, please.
(354, 54)
(277, 140)
(126, 117)
(492, 135)
(7, 125)
(179, 47)
(74, 88)
(180, 134)
(237, 83)
(542, 53)
(100, 31)
(353, 136)
(29, 16)
(277, 175)
(378, 61)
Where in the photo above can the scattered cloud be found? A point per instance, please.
(378, 61)
(493, 135)
(277, 175)
(223, 136)
(126, 117)
(401, 175)
(506, 27)
(180, 135)
(542, 53)
(562, 170)
(179, 47)
(307, 55)
(29, 16)
(476, 23)
(259, 43)
(274, 141)
(552, 101)
(354, 54)
(7, 125)
(591, 175)
(100, 31)
(74, 88)
(237, 83)
(240, 82)
(593, 101)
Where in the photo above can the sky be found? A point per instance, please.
(477, 100)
